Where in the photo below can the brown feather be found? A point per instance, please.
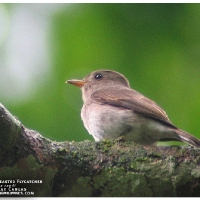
(130, 99)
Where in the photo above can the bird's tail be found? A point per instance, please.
(186, 137)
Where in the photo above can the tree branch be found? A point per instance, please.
(85, 169)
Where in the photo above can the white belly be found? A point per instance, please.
(112, 122)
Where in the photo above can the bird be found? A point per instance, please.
(112, 109)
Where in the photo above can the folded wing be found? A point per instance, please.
(130, 99)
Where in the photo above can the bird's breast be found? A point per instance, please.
(105, 121)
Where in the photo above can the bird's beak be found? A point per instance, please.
(78, 83)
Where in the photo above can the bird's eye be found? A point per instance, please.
(98, 76)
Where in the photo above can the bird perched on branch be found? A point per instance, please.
(112, 109)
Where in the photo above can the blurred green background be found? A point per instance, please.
(156, 46)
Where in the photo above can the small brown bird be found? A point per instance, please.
(112, 109)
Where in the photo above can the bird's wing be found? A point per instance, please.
(130, 99)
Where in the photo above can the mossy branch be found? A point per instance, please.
(86, 169)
